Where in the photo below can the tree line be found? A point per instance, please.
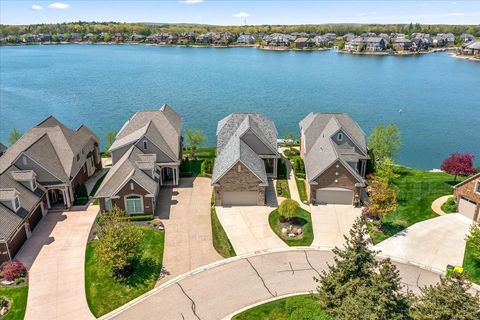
(151, 28)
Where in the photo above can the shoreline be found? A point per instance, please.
(396, 53)
(465, 57)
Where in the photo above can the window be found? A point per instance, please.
(24, 160)
(34, 184)
(134, 204)
(144, 144)
(108, 204)
(340, 136)
(477, 189)
(239, 168)
(78, 157)
(16, 204)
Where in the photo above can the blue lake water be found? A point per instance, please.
(103, 85)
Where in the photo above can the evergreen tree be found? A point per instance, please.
(14, 136)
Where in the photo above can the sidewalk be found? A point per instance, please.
(292, 183)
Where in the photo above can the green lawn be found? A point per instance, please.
(471, 266)
(202, 153)
(296, 307)
(282, 188)
(416, 191)
(104, 293)
(303, 218)
(97, 185)
(18, 299)
(302, 191)
(221, 243)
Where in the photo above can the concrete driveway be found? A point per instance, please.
(248, 229)
(224, 288)
(185, 212)
(55, 257)
(331, 222)
(432, 243)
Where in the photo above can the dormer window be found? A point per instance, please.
(340, 136)
(144, 144)
(24, 160)
(16, 204)
(34, 184)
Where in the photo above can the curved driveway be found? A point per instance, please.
(219, 290)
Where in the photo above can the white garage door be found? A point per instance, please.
(467, 208)
(334, 196)
(239, 198)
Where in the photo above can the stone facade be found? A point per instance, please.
(336, 176)
(239, 180)
(148, 202)
(467, 190)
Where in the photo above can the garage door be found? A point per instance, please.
(35, 218)
(334, 196)
(239, 198)
(467, 208)
(17, 241)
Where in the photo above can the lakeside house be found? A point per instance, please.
(42, 171)
(247, 157)
(402, 44)
(334, 150)
(471, 48)
(246, 39)
(304, 43)
(369, 44)
(467, 197)
(466, 37)
(146, 155)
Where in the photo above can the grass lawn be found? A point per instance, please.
(105, 294)
(303, 218)
(282, 188)
(202, 153)
(18, 299)
(302, 191)
(282, 309)
(471, 266)
(221, 243)
(97, 185)
(416, 191)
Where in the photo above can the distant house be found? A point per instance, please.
(146, 155)
(467, 196)
(246, 39)
(373, 44)
(186, 37)
(172, 39)
(304, 43)
(439, 41)
(335, 153)
(402, 44)
(356, 44)
(278, 40)
(205, 38)
(348, 37)
(246, 157)
(137, 37)
(466, 37)
(472, 48)
(75, 37)
(323, 41)
(42, 171)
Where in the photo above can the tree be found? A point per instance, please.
(288, 208)
(109, 139)
(385, 171)
(449, 299)
(459, 164)
(357, 286)
(15, 135)
(341, 44)
(473, 241)
(383, 198)
(385, 142)
(289, 138)
(195, 139)
(119, 242)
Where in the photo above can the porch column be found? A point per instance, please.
(48, 199)
(27, 230)
(177, 174)
(364, 166)
(275, 165)
(161, 176)
(66, 198)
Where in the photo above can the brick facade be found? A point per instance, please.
(336, 176)
(467, 190)
(239, 181)
(148, 202)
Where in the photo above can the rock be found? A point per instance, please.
(291, 235)
(3, 311)
(284, 230)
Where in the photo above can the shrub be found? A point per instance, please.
(292, 152)
(13, 270)
(208, 166)
(80, 201)
(450, 206)
(369, 214)
(140, 217)
(81, 191)
(282, 169)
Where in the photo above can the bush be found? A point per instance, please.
(369, 214)
(450, 206)
(140, 217)
(208, 166)
(292, 152)
(282, 169)
(81, 191)
(80, 201)
(3, 302)
(13, 270)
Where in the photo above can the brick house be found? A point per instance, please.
(41, 171)
(467, 196)
(146, 155)
(246, 157)
(335, 153)
(304, 43)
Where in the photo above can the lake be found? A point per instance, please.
(434, 99)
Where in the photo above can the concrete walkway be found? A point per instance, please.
(185, 212)
(292, 183)
(437, 204)
(55, 257)
(93, 179)
(433, 243)
(248, 229)
(220, 290)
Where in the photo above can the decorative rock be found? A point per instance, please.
(291, 235)
(3, 311)
(284, 230)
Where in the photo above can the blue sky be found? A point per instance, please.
(235, 12)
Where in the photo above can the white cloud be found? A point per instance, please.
(454, 14)
(191, 1)
(58, 5)
(241, 14)
(36, 7)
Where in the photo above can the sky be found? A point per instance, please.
(239, 12)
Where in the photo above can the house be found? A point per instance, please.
(335, 154)
(439, 41)
(466, 37)
(137, 37)
(205, 38)
(42, 171)
(246, 39)
(348, 37)
(467, 196)
(278, 40)
(373, 44)
(356, 44)
(247, 157)
(146, 155)
(302, 43)
(402, 44)
(471, 48)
